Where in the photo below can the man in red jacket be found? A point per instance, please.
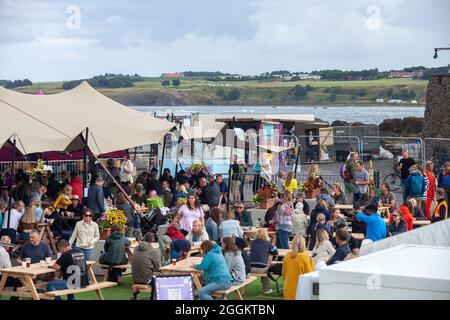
(77, 185)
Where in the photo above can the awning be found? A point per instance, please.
(31, 134)
(205, 127)
(111, 125)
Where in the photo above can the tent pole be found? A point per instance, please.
(117, 184)
(296, 161)
(13, 173)
(229, 176)
(162, 156)
(180, 139)
(85, 155)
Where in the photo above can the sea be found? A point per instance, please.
(365, 114)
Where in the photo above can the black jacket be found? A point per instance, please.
(394, 229)
(210, 195)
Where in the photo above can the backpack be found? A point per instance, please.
(446, 181)
(345, 173)
(416, 185)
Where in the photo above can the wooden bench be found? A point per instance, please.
(91, 287)
(235, 288)
(108, 269)
(138, 288)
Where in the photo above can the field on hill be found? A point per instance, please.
(255, 92)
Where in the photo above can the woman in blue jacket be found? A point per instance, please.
(215, 270)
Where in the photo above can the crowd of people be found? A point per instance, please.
(315, 236)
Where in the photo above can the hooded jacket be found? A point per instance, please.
(406, 216)
(115, 249)
(174, 234)
(214, 266)
(146, 262)
(77, 187)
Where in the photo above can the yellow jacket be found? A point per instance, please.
(292, 269)
(62, 201)
(291, 187)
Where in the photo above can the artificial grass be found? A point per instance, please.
(124, 292)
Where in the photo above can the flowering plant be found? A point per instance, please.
(267, 192)
(38, 170)
(309, 185)
(110, 217)
(197, 167)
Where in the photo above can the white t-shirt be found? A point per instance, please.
(5, 261)
(267, 167)
(15, 219)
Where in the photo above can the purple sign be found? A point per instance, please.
(174, 288)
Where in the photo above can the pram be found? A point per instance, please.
(153, 219)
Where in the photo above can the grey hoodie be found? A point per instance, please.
(146, 261)
(236, 266)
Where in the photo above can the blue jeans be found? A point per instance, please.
(203, 292)
(282, 239)
(403, 184)
(88, 253)
(59, 285)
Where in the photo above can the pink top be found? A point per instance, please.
(188, 217)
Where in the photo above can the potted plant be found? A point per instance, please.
(266, 195)
(37, 171)
(310, 187)
(110, 217)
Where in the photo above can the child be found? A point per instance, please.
(323, 250)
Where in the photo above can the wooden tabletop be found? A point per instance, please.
(35, 269)
(183, 265)
(358, 236)
(421, 222)
(344, 206)
(194, 248)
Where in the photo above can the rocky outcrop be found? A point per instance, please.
(437, 116)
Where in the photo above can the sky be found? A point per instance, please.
(57, 40)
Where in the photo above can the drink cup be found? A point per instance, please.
(24, 264)
(42, 263)
(48, 260)
(174, 262)
(28, 261)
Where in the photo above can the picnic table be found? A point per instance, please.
(184, 267)
(195, 248)
(27, 276)
(358, 236)
(47, 235)
(250, 233)
(421, 223)
(344, 206)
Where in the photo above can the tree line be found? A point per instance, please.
(15, 84)
(108, 80)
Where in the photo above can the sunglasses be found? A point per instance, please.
(88, 215)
